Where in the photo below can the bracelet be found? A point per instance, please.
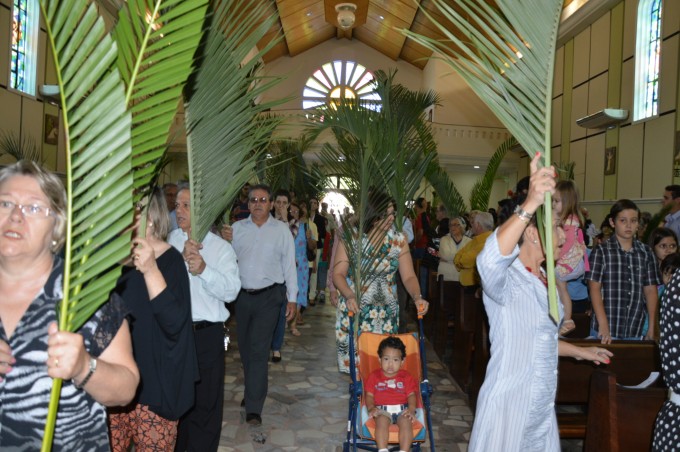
(93, 367)
(523, 215)
(419, 297)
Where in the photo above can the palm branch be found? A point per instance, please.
(286, 167)
(98, 164)
(156, 40)
(481, 191)
(23, 148)
(445, 189)
(385, 150)
(222, 113)
(506, 54)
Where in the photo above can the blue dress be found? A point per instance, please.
(302, 264)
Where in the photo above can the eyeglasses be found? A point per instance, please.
(664, 246)
(262, 200)
(31, 210)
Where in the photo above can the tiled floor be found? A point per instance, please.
(306, 409)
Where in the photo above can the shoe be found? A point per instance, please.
(567, 327)
(253, 419)
(243, 403)
(295, 332)
(276, 357)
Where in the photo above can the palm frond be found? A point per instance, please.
(98, 163)
(507, 59)
(24, 148)
(156, 40)
(286, 167)
(481, 191)
(445, 189)
(224, 121)
(384, 151)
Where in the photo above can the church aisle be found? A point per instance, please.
(306, 409)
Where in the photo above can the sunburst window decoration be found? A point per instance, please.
(340, 80)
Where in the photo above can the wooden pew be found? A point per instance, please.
(481, 353)
(430, 320)
(448, 298)
(621, 419)
(463, 337)
(632, 363)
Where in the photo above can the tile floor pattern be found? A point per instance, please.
(306, 409)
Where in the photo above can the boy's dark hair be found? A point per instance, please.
(282, 192)
(670, 263)
(392, 342)
(621, 205)
(674, 189)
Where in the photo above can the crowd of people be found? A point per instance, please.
(148, 367)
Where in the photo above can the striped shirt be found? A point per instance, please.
(515, 409)
(25, 391)
(623, 275)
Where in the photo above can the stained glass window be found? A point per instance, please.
(340, 80)
(647, 57)
(25, 17)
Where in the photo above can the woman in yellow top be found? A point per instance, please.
(466, 259)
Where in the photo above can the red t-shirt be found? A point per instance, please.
(390, 391)
(418, 224)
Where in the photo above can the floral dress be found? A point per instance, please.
(379, 307)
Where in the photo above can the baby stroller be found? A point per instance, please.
(361, 428)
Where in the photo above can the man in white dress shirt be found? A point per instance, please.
(266, 260)
(214, 280)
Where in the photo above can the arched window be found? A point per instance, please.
(647, 55)
(23, 67)
(340, 80)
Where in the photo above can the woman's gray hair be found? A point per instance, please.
(461, 220)
(158, 215)
(51, 186)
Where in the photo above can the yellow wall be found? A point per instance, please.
(595, 70)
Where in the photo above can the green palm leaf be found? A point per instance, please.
(386, 150)
(157, 40)
(24, 148)
(98, 164)
(481, 191)
(445, 189)
(222, 112)
(507, 58)
(286, 168)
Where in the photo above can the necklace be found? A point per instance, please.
(540, 276)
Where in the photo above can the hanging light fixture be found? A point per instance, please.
(346, 15)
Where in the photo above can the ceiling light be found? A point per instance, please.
(381, 17)
(309, 14)
(476, 167)
(346, 16)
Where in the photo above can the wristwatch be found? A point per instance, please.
(93, 367)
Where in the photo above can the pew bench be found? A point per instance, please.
(621, 419)
(632, 363)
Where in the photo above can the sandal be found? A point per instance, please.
(567, 327)
(295, 332)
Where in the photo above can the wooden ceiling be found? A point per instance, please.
(308, 23)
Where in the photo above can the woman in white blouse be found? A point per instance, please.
(515, 409)
(449, 246)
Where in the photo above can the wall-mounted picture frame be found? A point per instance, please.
(51, 129)
(610, 161)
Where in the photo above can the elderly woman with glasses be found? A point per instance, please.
(449, 246)
(96, 363)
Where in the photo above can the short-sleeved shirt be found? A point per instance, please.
(25, 391)
(623, 275)
(390, 390)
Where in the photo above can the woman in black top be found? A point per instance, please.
(155, 287)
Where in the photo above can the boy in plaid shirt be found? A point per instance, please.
(622, 280)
